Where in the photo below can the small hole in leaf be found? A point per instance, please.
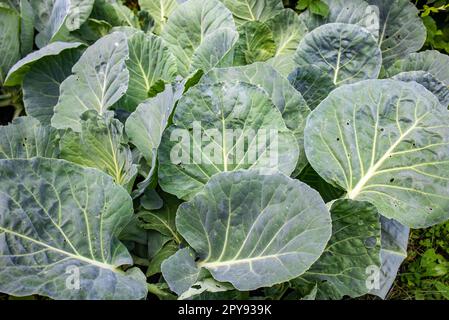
(338, 139)
(392, 179)
(382, 129)
(370, 242)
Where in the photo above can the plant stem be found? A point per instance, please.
(5, 96)
(18, 108)
(5, 103)
(154, 289)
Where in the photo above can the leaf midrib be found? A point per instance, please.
(352, 194)
(172, 231)
(218, 264)
(71, 255)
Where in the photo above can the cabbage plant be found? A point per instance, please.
(214, 149)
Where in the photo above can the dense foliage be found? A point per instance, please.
(435, 17)
(212, 149)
